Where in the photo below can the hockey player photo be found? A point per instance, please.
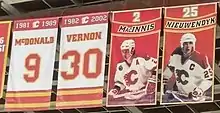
(133, 59)
(188, 75)
(134, 79)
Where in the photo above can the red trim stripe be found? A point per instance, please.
(84, 88)
(14, 100)
(80, 97)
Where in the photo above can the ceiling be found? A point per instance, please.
(19, 9)
(14, 9)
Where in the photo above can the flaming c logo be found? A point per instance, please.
(36, 24)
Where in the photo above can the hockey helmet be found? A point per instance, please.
(188, 37)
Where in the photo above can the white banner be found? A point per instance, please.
(82, 60)
(31, 64)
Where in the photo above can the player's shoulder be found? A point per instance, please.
(146, 58)
(139, 58)
(177, 51)
(200, 59)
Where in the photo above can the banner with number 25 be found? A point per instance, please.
(189, 46)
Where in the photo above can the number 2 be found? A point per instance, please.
(136, 17)
(32, 63)
(190, 11)
(85, 68)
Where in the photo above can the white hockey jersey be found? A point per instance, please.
(133, 77)
(190, 73)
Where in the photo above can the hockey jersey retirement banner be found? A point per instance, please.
(5, 28)
(31, 64)
(82, 60)
(134, 57)
(189, 47)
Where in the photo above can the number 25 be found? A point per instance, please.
(190, 11)
(208, 73)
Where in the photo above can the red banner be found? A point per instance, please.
(189, 47)
(5, 27)
(133, 57)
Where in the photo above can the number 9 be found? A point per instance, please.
(33, 67)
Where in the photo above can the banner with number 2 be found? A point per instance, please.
(31, 65)
(133, 64)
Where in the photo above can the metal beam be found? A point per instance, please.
(218, 31)
(95, 2)
(218, 13)
(217, 89)
(18, 1)
(133, 109)
(77, 2)
(217, 71)
(102, 7)
(47, 3)
(9, 8)
(211, 111)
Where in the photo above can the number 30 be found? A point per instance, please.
(85, 68)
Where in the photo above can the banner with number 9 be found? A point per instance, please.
(31, 64)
